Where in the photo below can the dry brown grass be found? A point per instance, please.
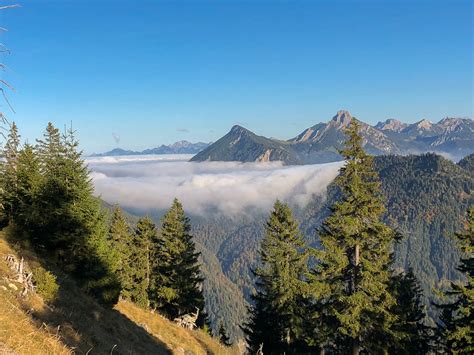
(179, 340)
(18, 332)
(75, 323)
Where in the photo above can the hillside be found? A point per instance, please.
(320, 143)
(75, 323)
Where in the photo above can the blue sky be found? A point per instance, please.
(156, 72)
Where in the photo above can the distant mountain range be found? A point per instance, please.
(181, 147)
(452, 137)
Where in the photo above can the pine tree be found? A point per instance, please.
(141, 261)
(176, 285)
(457, 319)
(409, 308)
(351, 280)
(9, 178)
(120, 239)
(276, 318)
(223, 337)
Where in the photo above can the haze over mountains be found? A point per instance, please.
(181, 147)
(452, 137)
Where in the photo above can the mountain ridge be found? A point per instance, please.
(451, 136)
(180, 147)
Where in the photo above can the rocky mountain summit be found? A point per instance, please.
(320, 143)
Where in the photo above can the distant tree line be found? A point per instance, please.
(47, 202)
(345, 296)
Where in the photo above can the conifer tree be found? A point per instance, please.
(276, 318)
(354, 262)
(409, 308)
(141, 261)
(70, 223)
(457, 319)
(29, 181)
(223, 337)
(121, 241)
(9, 178)
(176, 285)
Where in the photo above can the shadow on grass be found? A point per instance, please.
(83, 324)
(88, 327)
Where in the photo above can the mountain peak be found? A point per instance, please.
(238, 129)
(424, 124)
(391, 125)
(341, 119)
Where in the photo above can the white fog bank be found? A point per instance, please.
(153, 181)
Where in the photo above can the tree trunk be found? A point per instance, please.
(356, 261)
(321, 350)
(355, 347)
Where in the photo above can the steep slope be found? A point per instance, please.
(75, 323)
(242, 145)
(427, 198)
(321, 142)
(467, 163)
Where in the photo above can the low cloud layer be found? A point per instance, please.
(231, 188)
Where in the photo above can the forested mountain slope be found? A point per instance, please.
(426, 198)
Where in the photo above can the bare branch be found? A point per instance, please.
(6, 99)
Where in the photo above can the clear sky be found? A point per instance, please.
(155, 72)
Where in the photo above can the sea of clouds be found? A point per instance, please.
(152, 182)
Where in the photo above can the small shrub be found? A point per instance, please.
(46, 285)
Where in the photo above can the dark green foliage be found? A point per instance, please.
(427, 197)
(457, 318)
(29, 183)
(9, 177)
(46, 285)
(141, 261)
(409, 308)
(49, 200)
(467, 163)
(276, 318)
(120, 239)
(176, 285)
(351, 279)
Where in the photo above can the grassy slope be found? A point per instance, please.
(75, 323)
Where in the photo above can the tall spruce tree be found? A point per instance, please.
(415, 334)
(9, 177)
(71, 225)
(120, 238)
(457, 318)
(29, 181)
(276, 318)
(354, 262)
(141, 260)
(176, 285)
